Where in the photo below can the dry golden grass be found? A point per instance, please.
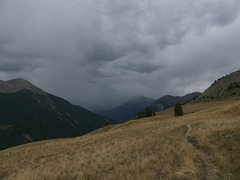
(151, 148)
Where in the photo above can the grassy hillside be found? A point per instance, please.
(224, 88)
(202, 144)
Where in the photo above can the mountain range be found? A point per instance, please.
(170, 101)
(210, 126)
(129, 110)
(28, 114)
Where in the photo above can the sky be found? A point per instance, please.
(104, 52)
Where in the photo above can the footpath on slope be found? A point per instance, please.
(210, 168)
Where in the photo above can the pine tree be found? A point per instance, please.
(178, 111)
(148, 112)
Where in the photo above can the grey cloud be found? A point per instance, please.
(103, 52)
(11, 65)
(138, 63)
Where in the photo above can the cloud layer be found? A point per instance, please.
(104, 52)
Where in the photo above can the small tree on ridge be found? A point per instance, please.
(148, 112)
(178, 111)
(106, 123)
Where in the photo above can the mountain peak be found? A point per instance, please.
(19, 84)
(35, 116)
(139, 98)
(129, 109)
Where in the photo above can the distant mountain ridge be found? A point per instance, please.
(129, 110)
(27, 114)
(225, 87)
(170, 101)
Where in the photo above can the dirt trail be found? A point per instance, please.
(209, 167)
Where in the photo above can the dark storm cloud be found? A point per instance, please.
(104, 52)
(17, 65)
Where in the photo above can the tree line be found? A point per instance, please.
(146, 113)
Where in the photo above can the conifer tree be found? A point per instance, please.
(178, 111)
(148, 112)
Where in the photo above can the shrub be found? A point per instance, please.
(233, 86)
(106, 123)
(140, 115)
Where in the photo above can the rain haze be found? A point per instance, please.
(103, 52)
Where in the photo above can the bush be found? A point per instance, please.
(233, 86)
(178, 111)
(106, 123)
(140, 115)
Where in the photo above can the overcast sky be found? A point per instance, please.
(104, 52)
